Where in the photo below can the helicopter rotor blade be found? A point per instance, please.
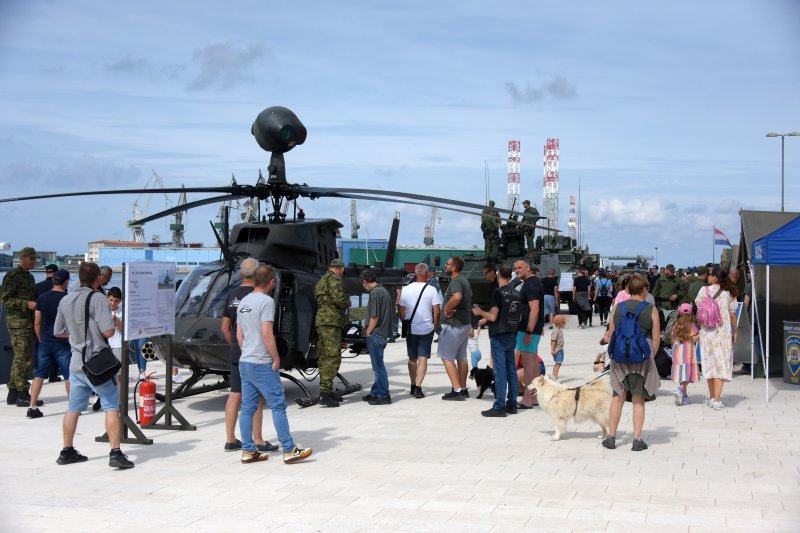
(187, 206)
(424, 204)
(229, 189)
(412, 196)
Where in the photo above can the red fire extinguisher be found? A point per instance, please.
(147, 400)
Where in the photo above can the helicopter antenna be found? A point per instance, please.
(223, 246)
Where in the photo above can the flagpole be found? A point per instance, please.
(713, 236)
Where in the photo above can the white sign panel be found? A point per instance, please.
(565, 283)
(149, 299)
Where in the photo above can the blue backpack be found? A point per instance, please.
(628, 344)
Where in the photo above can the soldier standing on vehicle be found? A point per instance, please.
(667, 291)
(18, 294)
(490, 226)
(530, 216)
(331, 305)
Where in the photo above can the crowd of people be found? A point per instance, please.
(698, 313)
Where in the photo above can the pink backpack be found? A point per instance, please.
(708, 313)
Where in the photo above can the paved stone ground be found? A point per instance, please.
(423, 465)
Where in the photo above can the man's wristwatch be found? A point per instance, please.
(528, 332)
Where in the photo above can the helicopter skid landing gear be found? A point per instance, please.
(307, 400)
(188, 388)
(349, 388)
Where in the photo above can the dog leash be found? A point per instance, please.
(578, 389)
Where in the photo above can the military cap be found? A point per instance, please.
(702, 271)
(28, 252)
(526, 202)
(61, 276)
(491, 203)
(670, 267)
(50, 268)
(337, 263)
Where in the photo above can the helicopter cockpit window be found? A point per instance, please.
(218, 293)
(192, 292)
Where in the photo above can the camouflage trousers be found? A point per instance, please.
(529, 242)
(329, 349)
(491, 246)
(22, 344)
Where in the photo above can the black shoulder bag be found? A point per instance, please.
(103, 365)
(405, 329)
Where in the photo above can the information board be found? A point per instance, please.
(565, 283)
(149, 299)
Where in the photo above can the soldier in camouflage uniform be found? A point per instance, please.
(18, 294)
(530, 216)
(667, 291)
(331, 305)
(490, 226)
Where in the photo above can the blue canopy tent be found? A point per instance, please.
(779, 248)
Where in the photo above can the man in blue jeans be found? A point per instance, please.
(503, 317)
(259, 367)
(379, 326)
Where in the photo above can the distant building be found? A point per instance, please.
(115, 253)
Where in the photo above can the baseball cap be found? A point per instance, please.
(28, 252)
(526, 202)
(702, 271)
(51, 268)
(670, 267)
(337, 263)
(685, 309)
(61, 276)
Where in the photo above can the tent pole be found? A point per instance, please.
(751, 316)
(766, 369)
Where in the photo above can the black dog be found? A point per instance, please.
(484, 378)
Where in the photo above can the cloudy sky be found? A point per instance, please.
(661, 111)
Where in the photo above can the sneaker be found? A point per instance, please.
(685, 400)
(709, 402)
(523, 406)
(609, 442)
(639, 445)
(96, 406)
(298, 454)
(253, 457)
(326, 399)
(142, 376)
(33, 412)
(453, 396)
(178, 378)
(119, 460)
(678, 394)
(234, 446)
(368, 397)
(69, 456)
(266, 447)
(511, 409)
(717, 406)
(418, 393)
(385, 400)
(492, 413)
(464, 393)
(413, 389)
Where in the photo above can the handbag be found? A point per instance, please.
(103, 365)
(405, 325)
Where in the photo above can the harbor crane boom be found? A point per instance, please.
(353, 220)
(433, 218)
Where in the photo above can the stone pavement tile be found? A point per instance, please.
(556, 503)
(622, 516)
(620, 526)
(662, 507)
(764, 524)
(684, 520)
(723, 511)
(388, 502)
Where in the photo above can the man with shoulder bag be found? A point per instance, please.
(85, 318)
(422, 307)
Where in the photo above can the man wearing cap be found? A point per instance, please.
(667, 291)
(52, 349)
(331, 305)
(530, 216)
(41, 288)
(697, 284)
(18, 294)
(490, 226)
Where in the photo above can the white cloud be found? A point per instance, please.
(632, 211)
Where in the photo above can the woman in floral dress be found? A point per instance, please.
(716, 344)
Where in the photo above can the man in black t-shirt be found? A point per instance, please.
(503, 317)
(550, 289)
(581, 294)
(531, 324)
(232, 444)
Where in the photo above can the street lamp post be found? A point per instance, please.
(783, 136)
(656, 255)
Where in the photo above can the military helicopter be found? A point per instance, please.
(299, 248)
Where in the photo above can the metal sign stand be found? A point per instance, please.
(168, 411)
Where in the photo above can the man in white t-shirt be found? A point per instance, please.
(424, 321)
(259, 367)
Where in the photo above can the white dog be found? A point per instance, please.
(588, 402)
